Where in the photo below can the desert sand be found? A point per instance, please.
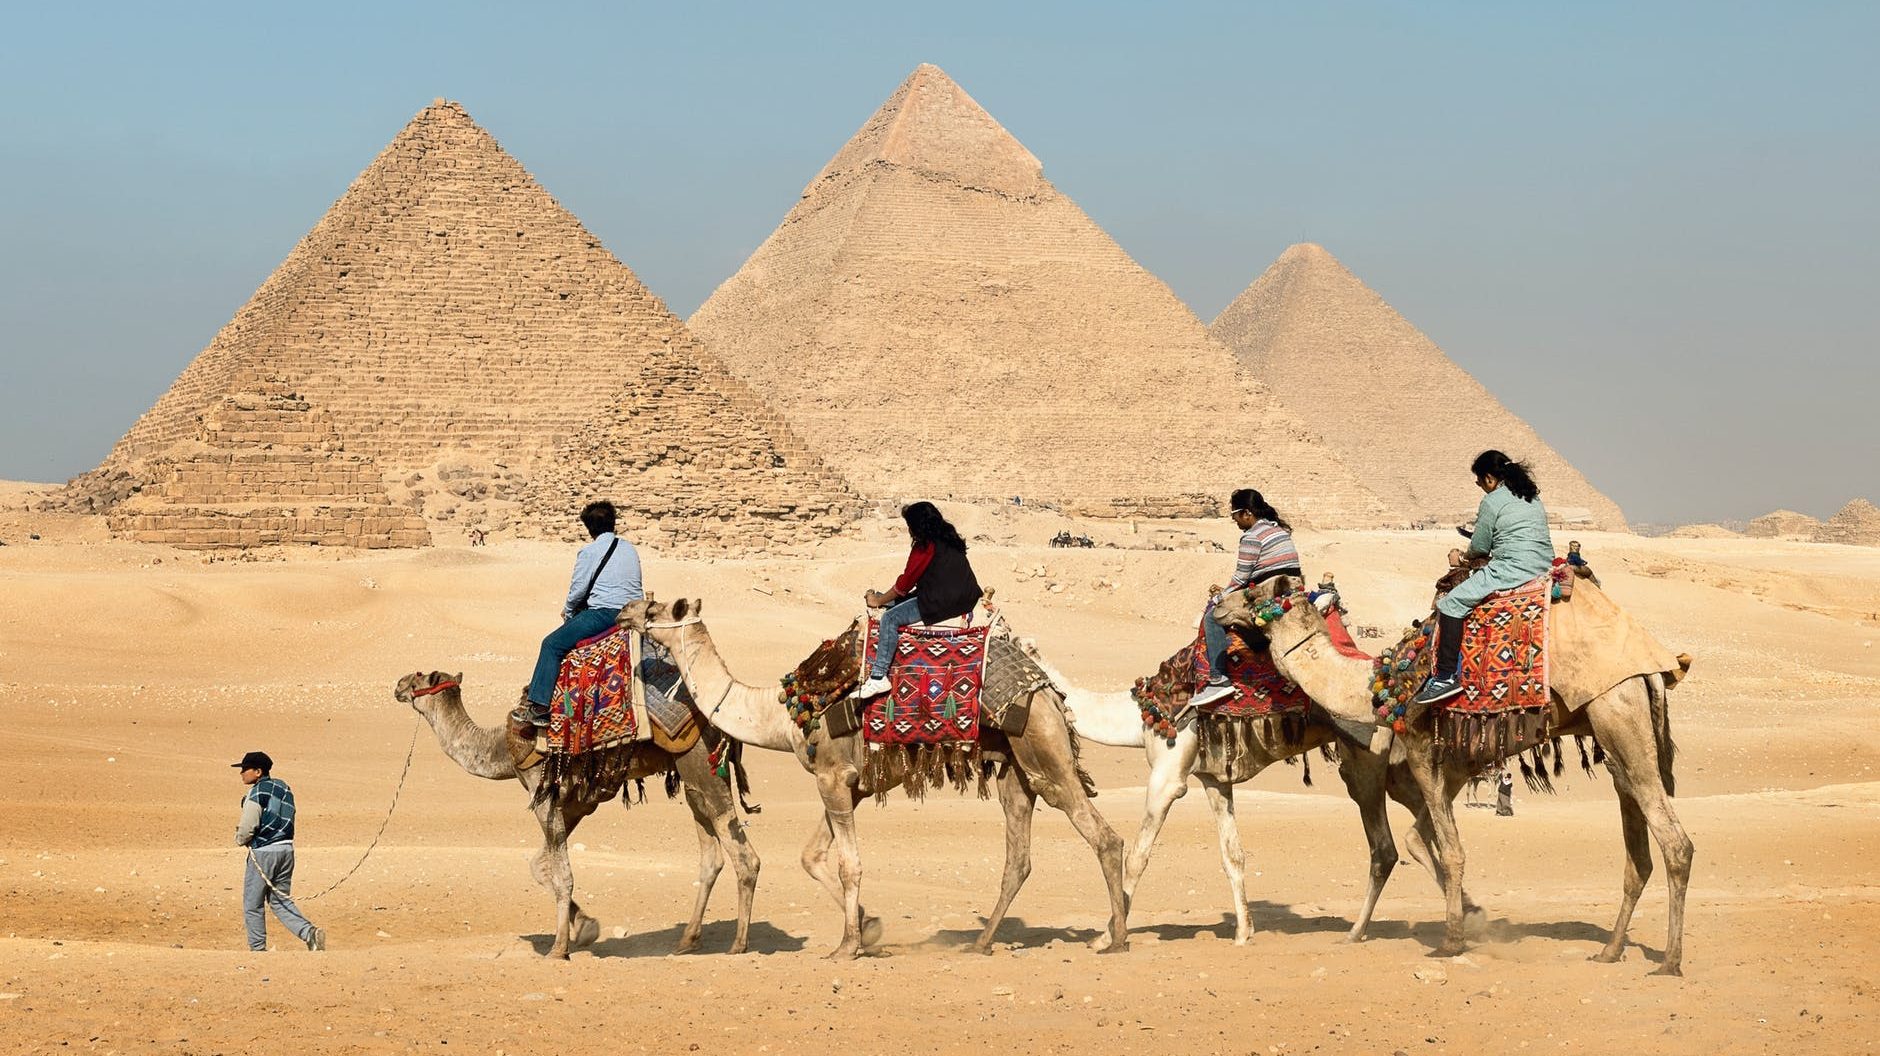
(131, 675)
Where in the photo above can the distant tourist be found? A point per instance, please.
(1511, 531)
(476, 537)
(1577, 562)
(1266, 550)
(606, 577)
(267, 830)
(1504, 795)
(937, 584)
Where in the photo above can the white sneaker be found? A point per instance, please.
(874, 687)
(1211, 693)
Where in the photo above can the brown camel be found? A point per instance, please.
(1630, 720)
(497, 754)
(1044, 757)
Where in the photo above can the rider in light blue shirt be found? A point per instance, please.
(606, 577)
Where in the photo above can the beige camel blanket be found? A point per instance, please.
(1594, 645)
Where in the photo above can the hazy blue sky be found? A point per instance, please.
(1653, 230)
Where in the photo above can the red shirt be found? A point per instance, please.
(917, 561)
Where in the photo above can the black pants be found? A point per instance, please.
(1448, 645)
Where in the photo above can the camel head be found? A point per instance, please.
(1276, 607)
(655, 619)
(413, 689)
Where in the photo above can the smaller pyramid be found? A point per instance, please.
(1783, 524)
(1858, 524)
(1390, 404)
(265, 468)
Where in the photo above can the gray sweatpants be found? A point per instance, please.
(277, 864)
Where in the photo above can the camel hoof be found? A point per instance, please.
(871, 931)
(1673, 970)
(739, 947)
(586, 932)
(558, 954)
(1450, 949)
(845, 952)
(687, 944)
(1352, 938)
(1116, 947)
(1608, 956)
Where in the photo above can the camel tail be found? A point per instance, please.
(1077, 763)
(1661, 732)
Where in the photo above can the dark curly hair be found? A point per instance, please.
(926, 525)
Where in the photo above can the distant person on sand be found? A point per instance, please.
(267, 830)
(1511, 531)
(937, 584)
(1266, 550)
(606, 577)
(1504, 795)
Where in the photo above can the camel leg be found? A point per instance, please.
(1233, 859)
(710, 864)
(1421, 839)
(1622, 720)
(1045, 752)
(1638, 869)
(1364, 775)
(1018, 802)
(715, 812)
(819, 864)
(553, 871)
(1442, 836)
(1168, 782)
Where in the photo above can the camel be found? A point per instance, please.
(497, 754)
(1630, 721)
(1044, 757)
(1115, 719)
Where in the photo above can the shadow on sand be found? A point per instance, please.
(716, 938)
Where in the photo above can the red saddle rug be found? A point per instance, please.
(1503, 704)
(936, 676)
(593, 705)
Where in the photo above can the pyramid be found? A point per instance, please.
(1857, 524)
(267, 468)
(1783, 524)
(460, 329)
(937, 321)
(1390, 404)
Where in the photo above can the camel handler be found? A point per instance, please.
(1511, 531)
(606, 577)
(1266, 550)
(267, 830)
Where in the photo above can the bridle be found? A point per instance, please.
(685, 662)
(428, 690)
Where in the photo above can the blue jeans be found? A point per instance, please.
(1216, 636)
(892, 621)
(560, 642)
(277, 864)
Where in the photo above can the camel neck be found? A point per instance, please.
(1340, 684)
(1106, 718)
(748, 713)
(483, 752)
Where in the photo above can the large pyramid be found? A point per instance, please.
(1390, 404)
(456, 326)
(936, 320)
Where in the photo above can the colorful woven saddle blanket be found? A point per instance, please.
(816, 693)
(935, 680)
(594, 707)
(1260, 691)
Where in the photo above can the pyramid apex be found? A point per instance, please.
(930, 124)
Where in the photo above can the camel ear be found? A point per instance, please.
(679, 609)
(457, 678)
(698, 606)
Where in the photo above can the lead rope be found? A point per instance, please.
(409, 752)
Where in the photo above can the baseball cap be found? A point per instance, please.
(255, 761)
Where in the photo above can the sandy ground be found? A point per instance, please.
(131, 676)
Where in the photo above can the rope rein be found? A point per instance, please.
(396, 792)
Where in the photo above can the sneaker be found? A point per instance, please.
(1212, 693)
(874, 687)
(1438, 689)
(316, 939)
